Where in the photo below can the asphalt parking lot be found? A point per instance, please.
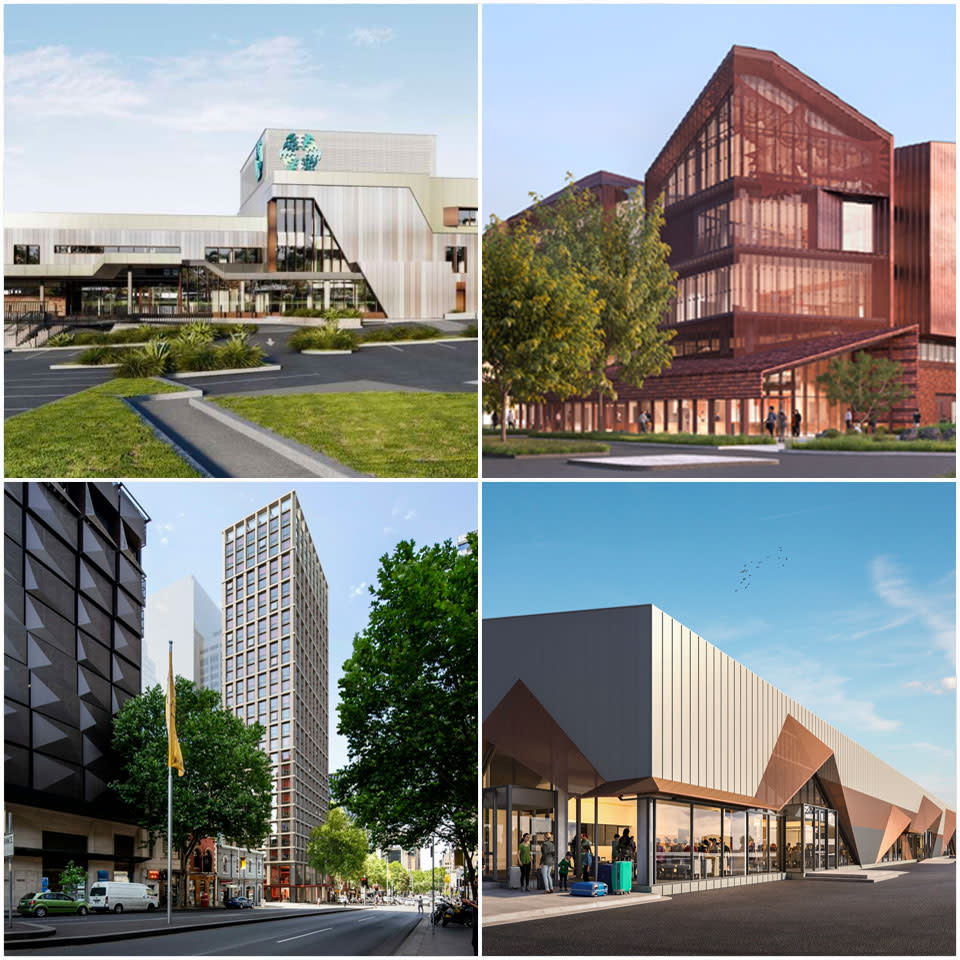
(914, 914)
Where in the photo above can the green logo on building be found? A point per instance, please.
(299, 152)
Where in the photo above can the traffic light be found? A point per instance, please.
(364, 883)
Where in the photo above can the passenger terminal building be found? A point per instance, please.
(799, 233)
(326, 219)
(721, 778)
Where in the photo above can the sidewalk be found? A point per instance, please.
(500, 905)
(452, 941)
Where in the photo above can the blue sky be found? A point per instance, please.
(602, 87)
(858, 623)
(152, 109)
(352, 525)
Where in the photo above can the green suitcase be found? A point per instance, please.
(622, 879)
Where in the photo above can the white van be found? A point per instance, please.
(107, 895)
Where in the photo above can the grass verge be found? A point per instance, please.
(386, 434)
(90, 434)
(532, 446)
(868, 444)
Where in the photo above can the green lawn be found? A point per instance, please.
(867, 443)
(526, 447)
(90, 434)
(386, 434)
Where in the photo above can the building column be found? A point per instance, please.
(243, 297)
(129, 290)
(326, 296)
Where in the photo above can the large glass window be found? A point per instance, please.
(25, 253)
(706, 841)
(857, 226)
(673, 841)
(457, 258)
(734, 842)
(793, 850)
(757, 842)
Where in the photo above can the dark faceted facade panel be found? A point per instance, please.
(74, 598)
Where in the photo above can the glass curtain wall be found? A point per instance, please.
(305, 241)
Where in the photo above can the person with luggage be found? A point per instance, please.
(563, 868)
(586, 856)
(615, 848)
(523, 853)
(628, 849)
(548, 857)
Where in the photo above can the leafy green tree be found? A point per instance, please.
(73, 880)
(408, 702)
(624, 264)
(539, 321)
(338, 848)
(228, 784)
(375, 870)
(870, 386)
(420, 880)
(397, 877)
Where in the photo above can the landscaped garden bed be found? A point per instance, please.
(330, 339)
(539, 446)
(142, 334)
(189, 348)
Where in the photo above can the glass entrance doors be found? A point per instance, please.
(819, 838)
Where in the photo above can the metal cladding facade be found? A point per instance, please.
(690, 722)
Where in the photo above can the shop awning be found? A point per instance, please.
(653, 786)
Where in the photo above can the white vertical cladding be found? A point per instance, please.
(676, 700)
(686, 705)
(657, 686)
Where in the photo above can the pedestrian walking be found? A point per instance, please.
(548, 857)
(781, 424)
(797, 420)
(771, 421)
(420, 903)
(523, 853)
(563, 868)
(848, 420)
(586, 856)
(643, 420)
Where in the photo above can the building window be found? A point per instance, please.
(77, 248)
(233, 255)
(25, 253)
(457, 258)
(673, 841)
(857, 226)
(467, 216)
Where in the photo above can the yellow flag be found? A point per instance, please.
(174, 756)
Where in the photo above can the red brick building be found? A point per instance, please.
(799, 234)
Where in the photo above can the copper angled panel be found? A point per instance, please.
(651, 786)
(796, 757)
(521, 727)
(949, 825)
(926, 816)
(897, 822)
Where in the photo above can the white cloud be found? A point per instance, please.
(930, 748)
(945, 685)
(934, 610)
(388, 529)
(164, 540)
(949, 683)
(358, 590)
(410, 514)
(371, 36)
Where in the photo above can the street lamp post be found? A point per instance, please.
(433, 909)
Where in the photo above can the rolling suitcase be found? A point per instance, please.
(622, 876)
(588, 888)
(605, 874)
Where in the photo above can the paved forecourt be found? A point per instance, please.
(727, 463)
(351, 932)
(913, 914)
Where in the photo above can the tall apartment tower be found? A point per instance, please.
(274, 671)
(185, 613)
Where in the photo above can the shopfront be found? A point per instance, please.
(508, 813)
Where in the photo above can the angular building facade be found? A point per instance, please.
(74, 596)
(275, 672)
(799, 235)
(184, 613)
(326, 220)
(722, 779)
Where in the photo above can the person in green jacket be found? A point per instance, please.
(563, 868)
(523, 853)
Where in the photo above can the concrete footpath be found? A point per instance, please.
(452, 941)
(500, 905)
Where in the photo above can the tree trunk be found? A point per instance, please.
(503, 416)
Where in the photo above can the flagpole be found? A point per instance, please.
(169, 808)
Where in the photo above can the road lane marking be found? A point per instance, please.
(299, 935)
(365, 919)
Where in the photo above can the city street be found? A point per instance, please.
(354, 932)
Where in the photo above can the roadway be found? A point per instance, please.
(353, 932)
(434, 367)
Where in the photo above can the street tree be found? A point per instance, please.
(397, 877)
(539, 321)
(870, 386)
(624, 263)
(227, 787)
(73, 880)
(375, 870)
(338, 848)
(408, 702)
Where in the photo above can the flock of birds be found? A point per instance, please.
(747, 570)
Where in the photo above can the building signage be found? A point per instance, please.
(299, 152)
(153, 874)
(103, 874)
(258, 159)
(44, 883)
(7, 845)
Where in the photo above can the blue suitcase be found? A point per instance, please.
(588, 888)
(605, 874)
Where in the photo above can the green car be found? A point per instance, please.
(51, 901)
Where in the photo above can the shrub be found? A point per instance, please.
(138, 363)
(196, 333)
(189, 355)
(222, 330)
(60, 340)
(470, 331)
(388, 334)
(99, 355)
(237, 353)
(327, 337)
